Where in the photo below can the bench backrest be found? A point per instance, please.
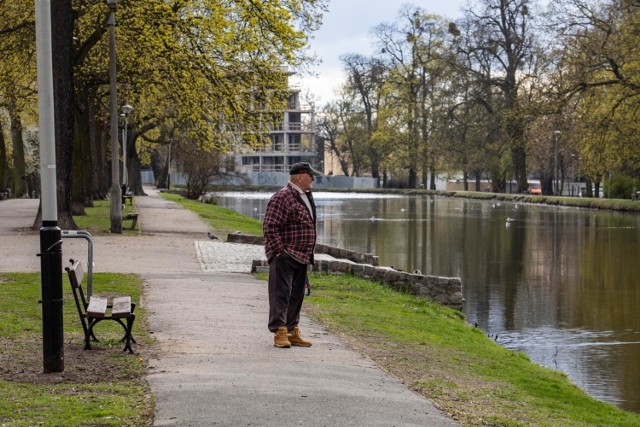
(76, 274)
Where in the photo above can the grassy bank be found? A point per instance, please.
(104, 387)
(623, 205)
(437, 354)
(223, 221)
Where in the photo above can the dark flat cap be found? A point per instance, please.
(303, 167)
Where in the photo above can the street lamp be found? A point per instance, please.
(50, 234)
(126, 109)
(115, 194)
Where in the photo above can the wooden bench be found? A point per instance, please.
(126, 195)
(133, 217)
(94, 310)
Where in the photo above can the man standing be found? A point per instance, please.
(289, 230)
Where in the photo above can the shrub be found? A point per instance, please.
(620, 186)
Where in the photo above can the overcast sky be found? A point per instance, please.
(346, 29)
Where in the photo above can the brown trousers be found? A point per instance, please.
(286, 291)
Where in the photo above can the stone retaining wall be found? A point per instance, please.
(320, 249)
(443, 290)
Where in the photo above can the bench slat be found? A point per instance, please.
(121, 307)
(97, 307)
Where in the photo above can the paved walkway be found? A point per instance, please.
(217, 364)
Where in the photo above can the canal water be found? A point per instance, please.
(560, 284)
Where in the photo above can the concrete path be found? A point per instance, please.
(216, 363)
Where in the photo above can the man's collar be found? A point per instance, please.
(295, 187)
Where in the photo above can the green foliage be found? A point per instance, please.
(197, 72)
(621, 186)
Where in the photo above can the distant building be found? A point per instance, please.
(290, 141)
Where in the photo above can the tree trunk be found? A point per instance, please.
(589, 188)
(98, 141)
(432, 174)
(133, 165)
(546, 184)
(518, 156)
(4, 164)
(375, 161)
(81, 165)
(19, 170)
(62, 65)
(413, 178)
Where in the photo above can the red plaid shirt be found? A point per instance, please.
(289, 226)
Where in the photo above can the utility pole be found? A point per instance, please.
(50, 234)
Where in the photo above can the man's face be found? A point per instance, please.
(305, 181)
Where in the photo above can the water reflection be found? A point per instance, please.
(558, 283)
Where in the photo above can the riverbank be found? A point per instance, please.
(622, 205)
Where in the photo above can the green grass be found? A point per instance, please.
(625, 205)
(449, 361)
(581, 202)
(104, 386)
(222, 220)
(97, 219)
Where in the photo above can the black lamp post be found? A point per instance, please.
(50, 234)
(126, 109)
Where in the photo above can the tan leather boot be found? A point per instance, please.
(296, 339)
(280, 339)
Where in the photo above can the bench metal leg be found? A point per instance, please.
(127, 338)
(88, 333)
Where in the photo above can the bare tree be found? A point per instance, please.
(365, 79)
(500, 47)
(330, 130)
